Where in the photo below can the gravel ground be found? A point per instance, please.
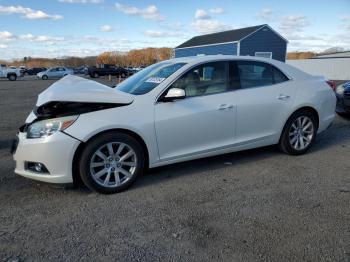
(256, 205)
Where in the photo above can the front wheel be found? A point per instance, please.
(44, 77)
(111, 162)
(299, 133)
(12, 77)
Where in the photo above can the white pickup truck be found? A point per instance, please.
(9, 73)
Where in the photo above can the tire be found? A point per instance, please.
(12, 77)
(96, 75)
(107, 175)
(44, 77)
(123, 75)
(297, 138)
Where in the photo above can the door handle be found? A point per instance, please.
(225, 107)
(283, 97)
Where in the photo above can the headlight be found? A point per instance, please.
(48, 127)
(340, 90)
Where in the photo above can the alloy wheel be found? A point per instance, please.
(301, 133)
(113, 164)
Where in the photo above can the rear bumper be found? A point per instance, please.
(326, 123)
(56, 152)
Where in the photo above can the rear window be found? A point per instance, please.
(256, 74)
(253, 74)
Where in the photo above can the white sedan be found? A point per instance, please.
(172, 111)
(55, 72)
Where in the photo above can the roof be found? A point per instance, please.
(221, 37)
(287, 69)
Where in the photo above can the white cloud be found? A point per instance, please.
(3, 46)
(82, 1)
(209, 26)
(345, 18)
(106, 28)
(266, 14)
(159, 34)
(150, 13)
(204, 23)
(6, 36)
(41, 38)
(293, 23)
(28, 13)
(217, 10)
(201, 14)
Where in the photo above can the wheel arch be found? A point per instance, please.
(312, 109)
(75, 165)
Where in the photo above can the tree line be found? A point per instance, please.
(134, 58)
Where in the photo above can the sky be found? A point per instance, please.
(57, 28)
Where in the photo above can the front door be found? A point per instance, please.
(201, 122)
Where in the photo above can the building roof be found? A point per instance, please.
(221, 37)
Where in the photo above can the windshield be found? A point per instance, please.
(148, 78)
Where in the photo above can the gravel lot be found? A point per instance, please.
(257, 205)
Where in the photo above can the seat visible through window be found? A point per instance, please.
(206, 79)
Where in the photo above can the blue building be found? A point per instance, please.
(259, 40)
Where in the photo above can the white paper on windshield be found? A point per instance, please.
(156, 80)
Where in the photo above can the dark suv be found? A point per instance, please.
(106, 70)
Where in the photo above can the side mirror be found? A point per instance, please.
(173, 94)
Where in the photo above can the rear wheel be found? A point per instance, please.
(12, 77)
(45, 77)
(111, 162)
(96, 75)
(299, 133)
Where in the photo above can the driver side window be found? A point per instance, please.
(205, 79)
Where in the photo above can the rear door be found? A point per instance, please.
(263, 101)
(61, 72)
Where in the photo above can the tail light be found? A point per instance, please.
(331, 84)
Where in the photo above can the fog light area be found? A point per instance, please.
(36, 167)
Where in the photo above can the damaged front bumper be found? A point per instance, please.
(54, 152)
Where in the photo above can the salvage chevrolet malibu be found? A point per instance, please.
(172, 111)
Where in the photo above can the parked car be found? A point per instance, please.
(34, 70)
(172, 111)
(106, 70)
(9, 73)
(79, 70)
(55, 72)
(131, 71)
(343, 99)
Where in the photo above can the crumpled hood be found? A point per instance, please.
(74, 95)
(77, 89)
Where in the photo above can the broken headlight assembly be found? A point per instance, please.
(48, 127)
